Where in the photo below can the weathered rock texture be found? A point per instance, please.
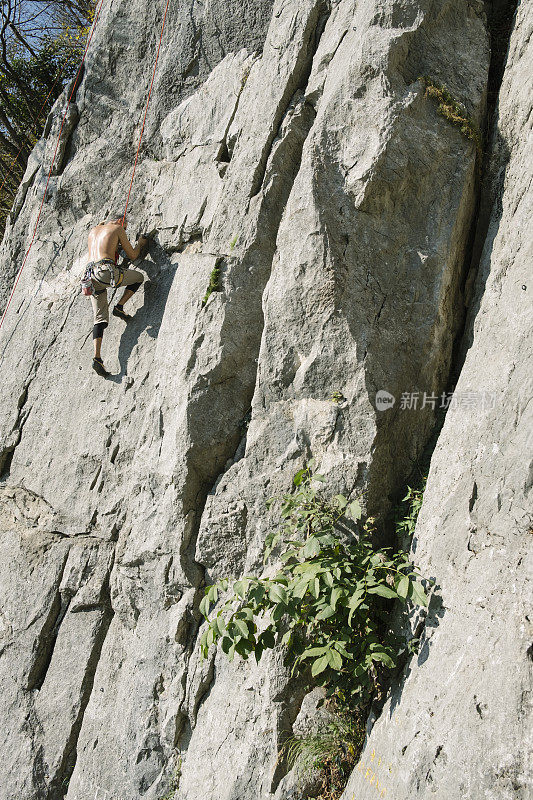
(291, 144)
(458, 724)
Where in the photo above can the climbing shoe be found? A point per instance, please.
(98, 366)
(119, 312)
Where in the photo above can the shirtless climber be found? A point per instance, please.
(104, 241)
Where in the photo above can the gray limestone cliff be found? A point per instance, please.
(364, 245)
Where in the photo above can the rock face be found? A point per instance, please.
(291, 145)
(458, 724)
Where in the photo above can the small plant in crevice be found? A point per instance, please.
(244, 424)
(452, 110)
(413, 645)
(234, 241)
(330, 754)
(245, 76)
(337, 397)
(175, 784)
(408, 509)
(214, 282)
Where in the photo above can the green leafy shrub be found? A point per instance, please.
(329, 602)
(452, 110)
(42, 46)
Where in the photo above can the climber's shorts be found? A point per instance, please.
(131, 279)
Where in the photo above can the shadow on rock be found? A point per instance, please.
(432, 619)
(148, 317)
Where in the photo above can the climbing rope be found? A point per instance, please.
(146, 109)
(78, 74)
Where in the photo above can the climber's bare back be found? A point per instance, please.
(104, 241)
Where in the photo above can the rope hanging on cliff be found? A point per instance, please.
(146, 110)
(78, 74)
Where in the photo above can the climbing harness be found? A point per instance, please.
(87, 286)
(74, 87)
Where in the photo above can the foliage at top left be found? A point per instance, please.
(41, 45)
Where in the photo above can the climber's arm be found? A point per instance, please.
(133, 253)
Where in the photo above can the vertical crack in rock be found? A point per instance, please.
(47, 639)
(225, 150)
(281, 158)
(64, 151)
(54, 124)
(20, 197)
(501, 15)
(45, 643)
(58, 786)
(298, 80)
(290, 698)
(8, 451)
(203, 688)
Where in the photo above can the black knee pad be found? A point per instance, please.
(98, 330)
(134, 286)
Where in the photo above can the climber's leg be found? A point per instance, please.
(98, 332)
(132, 281)
(101, 320)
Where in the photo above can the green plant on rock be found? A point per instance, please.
(214, 282)
(175, 784)
(452, 110)
(244, 424)
(329, 602)
(407, 514)
(337, 397)
(245, 76)
(331, 753)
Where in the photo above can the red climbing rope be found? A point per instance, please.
(96, 16)
(146, 109)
